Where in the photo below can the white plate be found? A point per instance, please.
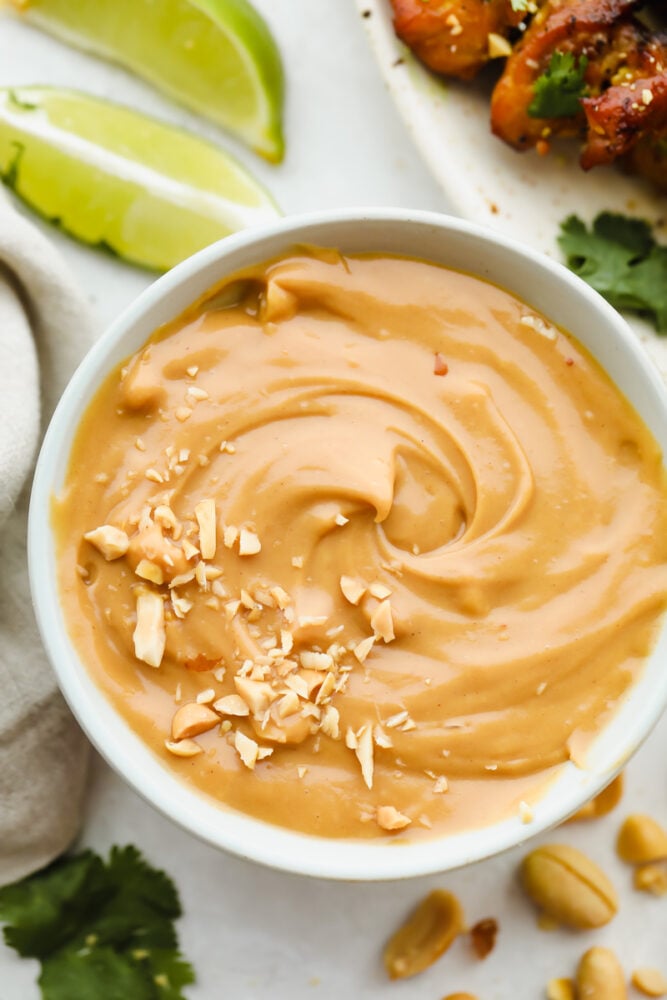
(521, 195)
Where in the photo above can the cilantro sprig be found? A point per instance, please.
(621, 259)
(102, 931)
(558, 91)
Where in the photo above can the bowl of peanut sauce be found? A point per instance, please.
(348, 544)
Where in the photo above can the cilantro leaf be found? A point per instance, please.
(170, 973)
(102, 931)
(620, 258)
(140, 911)
(94, 974)
(50, 908)
(558, 91)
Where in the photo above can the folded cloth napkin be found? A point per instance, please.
(45, 328)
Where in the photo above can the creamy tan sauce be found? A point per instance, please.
(468, 467)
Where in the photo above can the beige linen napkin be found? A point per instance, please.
(44, 330)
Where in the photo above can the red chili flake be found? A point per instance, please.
(201, 663)
(542, 147)
(483, 936)
(440, 366)
(569, 361)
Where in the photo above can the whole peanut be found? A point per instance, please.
(600, 976)
(641, 840)
(425, 936)
(569, 887)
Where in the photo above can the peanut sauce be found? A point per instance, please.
(403, 538)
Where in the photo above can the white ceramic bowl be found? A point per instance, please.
(545, 285)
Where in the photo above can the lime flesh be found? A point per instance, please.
(217, 57)
(108, 176)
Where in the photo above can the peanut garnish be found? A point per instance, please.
(602, 804)
(330, 722)
(364, 752)
(205, 514)
(650, 982)
(231, 704)
(363, 648)
(641, 840)
(568, 886)
(190, 551)
(316, 661)
(150, 571)
(206, 696)
(183, 748)
(165, 517)
(231, 608)
(381, 739)
(352, 590)
(247, 749)
(326, 688)
(396, 720)
(229, 536)
(249, 543)
(111, 542)
(389, 818)
(288, 704)
(181, 605)
(498, 47)
(193, 719)
(194, 393)
(258, 695)
(382, 622)
(600, 976)
(428, 933)
(281, 597)
(149, 634)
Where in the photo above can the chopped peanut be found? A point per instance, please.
(352, 590)
(231, 704)
(249, 543)
(149, 634)
(150, 571)
(364, 752)
(111, 542)
(363, 648)
(389, 818)
(247, 749)
(183, 748)
(205, 514)
(382, 622)
(192, 719)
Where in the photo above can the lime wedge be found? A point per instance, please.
(151, 193)
(217, 57)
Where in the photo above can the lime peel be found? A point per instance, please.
(216, 57)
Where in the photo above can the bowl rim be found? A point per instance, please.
(241, 834)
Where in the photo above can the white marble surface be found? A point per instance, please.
(250, 932)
